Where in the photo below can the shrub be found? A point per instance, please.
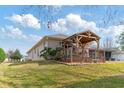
(2, 55)
(48, 53)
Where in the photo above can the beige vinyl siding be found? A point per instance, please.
(34, 54)
(54, 43)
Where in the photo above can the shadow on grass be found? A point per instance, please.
(39, 83)
(11, 84)
(75, 75)
(43, 62)
(103, 82)
(25, 82)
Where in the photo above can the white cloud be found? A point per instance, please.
(114, 30)
(25, 20)
(34, 37)
(73, 22)
(16, 33)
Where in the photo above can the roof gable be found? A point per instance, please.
(59, 36)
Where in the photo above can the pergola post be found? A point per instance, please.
(64, 53)
(97, 50)
(104, 55)
(67, 51)
(82, 54)
(72, 54)
(77, 43)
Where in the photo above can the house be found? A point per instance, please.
(24, 58)
(118, 55)
(74, 48)
(109, 53)
(51, 41)
(114, 54)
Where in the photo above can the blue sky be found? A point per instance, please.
(22, 26)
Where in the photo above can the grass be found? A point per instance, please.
(52, 74)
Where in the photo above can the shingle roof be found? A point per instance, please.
(62, 36)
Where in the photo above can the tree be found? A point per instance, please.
(2, 55)
(108, 43)
(10, 54)
(49, 13)
(16, 55)
(121, 41)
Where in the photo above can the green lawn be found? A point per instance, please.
(51, 74)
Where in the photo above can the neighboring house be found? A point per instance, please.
(108, 53)
(51, 41)
(118, 55)
(113, 54)
(24, 58)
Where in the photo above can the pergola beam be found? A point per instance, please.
(85, 36)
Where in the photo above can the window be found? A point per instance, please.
(46, 43)
(92, 54)
(35, 51)
(38, 52)
(60, 43)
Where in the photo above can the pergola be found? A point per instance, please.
(77, 43)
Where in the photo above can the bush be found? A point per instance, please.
(2, 55)
(48, 53)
